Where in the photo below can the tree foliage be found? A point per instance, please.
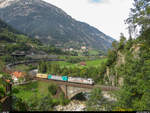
(97, 102)
(53, 89)
(134, 93)
(139, 16)
(85, 72)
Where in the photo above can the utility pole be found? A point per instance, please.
(66, 91)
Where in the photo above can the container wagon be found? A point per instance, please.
(40, 75)
(55, 77)
(66, 78)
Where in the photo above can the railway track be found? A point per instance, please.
(30, 61)
(65, 83)
(104, 88)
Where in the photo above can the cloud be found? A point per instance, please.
(98, 1)
(106, 15)
(95, 1)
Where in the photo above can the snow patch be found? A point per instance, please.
(5, 3)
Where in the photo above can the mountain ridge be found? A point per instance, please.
(52, 25)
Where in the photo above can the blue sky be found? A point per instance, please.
(106, 15)
(97, 1)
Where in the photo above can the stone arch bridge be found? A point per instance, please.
(72, 89)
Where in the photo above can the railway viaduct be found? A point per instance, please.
(72, 89)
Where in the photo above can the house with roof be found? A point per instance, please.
(83, 47)
(18, 76)
(83, 63)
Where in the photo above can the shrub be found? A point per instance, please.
(53, 89)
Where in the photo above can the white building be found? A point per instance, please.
(83, 47)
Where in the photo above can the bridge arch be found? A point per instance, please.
(71, 92)
(73, 95)
(78, 91)
(80, 96)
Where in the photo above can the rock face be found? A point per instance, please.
(51, 25)
(112, 75)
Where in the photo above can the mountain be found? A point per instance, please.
(51, 25)
(12, 40)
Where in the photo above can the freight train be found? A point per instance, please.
(66, 78)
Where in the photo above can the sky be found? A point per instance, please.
(106, 15)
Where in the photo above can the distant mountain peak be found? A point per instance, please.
(5, 3)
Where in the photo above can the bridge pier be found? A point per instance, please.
(64, 89)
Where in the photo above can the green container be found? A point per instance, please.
(65, 78)
(49, 76)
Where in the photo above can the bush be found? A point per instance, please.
(53, 89)
(2, 91)
(62, 100)
(7, 58)
(74, 60)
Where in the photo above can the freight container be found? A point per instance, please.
(49, 76)
(55, 77)
(40, 75)
(65, 78)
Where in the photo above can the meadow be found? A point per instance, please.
(89, 63)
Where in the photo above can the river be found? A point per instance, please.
(74, 105)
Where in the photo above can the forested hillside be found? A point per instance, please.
(128, 64)
(14, 42)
